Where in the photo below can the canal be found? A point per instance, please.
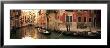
(30, 32)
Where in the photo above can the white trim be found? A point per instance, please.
(102, 41)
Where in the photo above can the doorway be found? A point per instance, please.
(68, 22)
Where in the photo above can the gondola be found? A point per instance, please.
(43, 30)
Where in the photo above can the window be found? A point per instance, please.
(89, 19)
(84, 19)
(79, 19)
(68, 18)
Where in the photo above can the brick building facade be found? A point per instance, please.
(79, 20)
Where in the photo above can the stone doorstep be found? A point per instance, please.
(81, 30)
(64, 29)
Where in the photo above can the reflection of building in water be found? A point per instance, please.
(72, 20)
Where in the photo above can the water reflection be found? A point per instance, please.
(29, 32)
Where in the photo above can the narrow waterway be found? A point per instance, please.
(30, 32)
